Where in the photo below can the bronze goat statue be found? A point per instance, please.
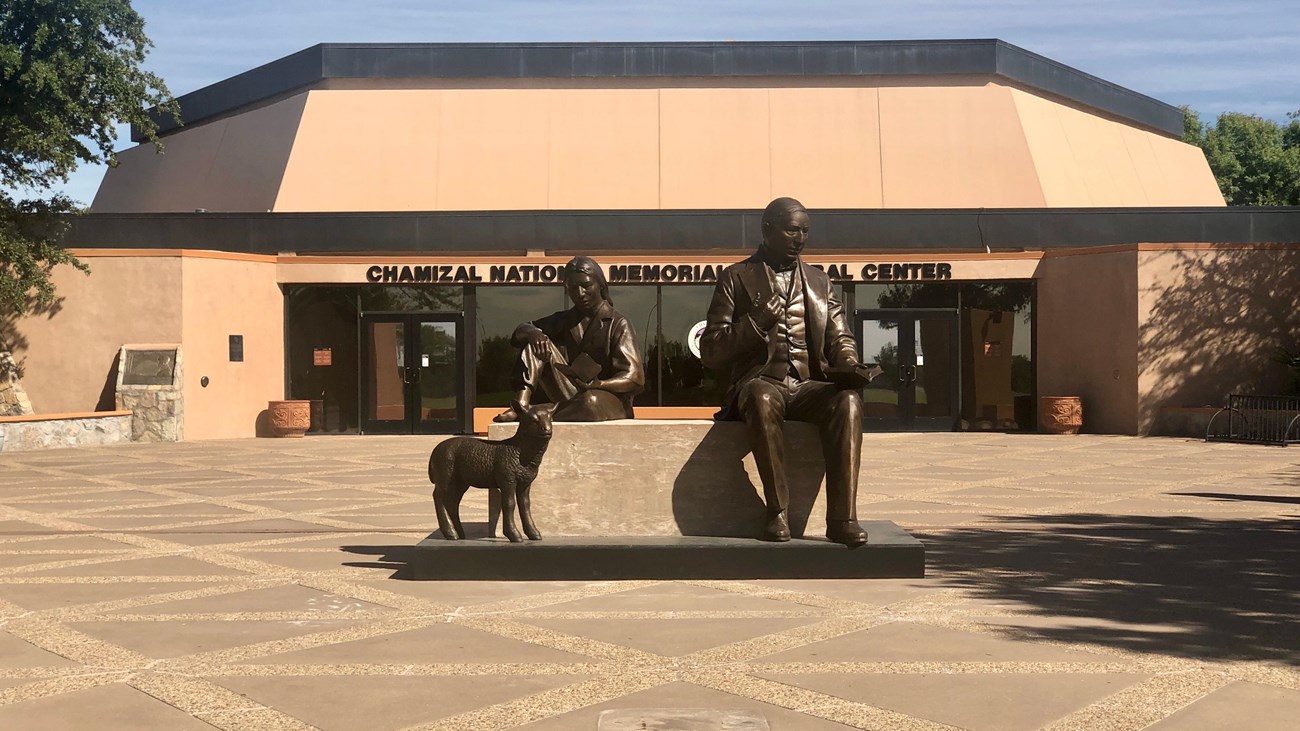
(509, 466)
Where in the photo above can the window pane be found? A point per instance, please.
(500, 310)
(412, 299)
(686, 382)
(439, 386)
(996, 321)
(934, 366)
(637, 304)
(879, 344)
(322, 357)
(873, 296)
(386, 363)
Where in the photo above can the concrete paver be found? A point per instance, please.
(1073, 583)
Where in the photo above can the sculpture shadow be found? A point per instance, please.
(713, 494)
(1175, 585)
(400, 559)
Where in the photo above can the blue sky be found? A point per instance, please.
(1239, 56)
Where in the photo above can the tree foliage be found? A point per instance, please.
(1256, 161)
(69, 70)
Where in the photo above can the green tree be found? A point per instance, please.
(1256, 161)
(69, 70)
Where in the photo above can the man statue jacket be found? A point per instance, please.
(732, 339)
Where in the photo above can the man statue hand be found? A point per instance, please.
(766, 314)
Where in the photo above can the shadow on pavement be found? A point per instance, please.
(398, 559)
(1183, 586)
(1243, 498)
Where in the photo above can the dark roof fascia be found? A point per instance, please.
(667, 231)
(988, 57)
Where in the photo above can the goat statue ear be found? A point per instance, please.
(519, 408)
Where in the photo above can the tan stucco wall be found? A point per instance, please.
(67, 355)
(1085, 160)
(223, 298)
(926, 142)
(1211, 317)
(1087, 336)
(230, 164)
(194, 299)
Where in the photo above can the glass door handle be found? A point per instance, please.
(907, 374)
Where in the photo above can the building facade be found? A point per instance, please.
(367, 224)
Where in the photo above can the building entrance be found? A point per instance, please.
(920, 387)
(411, 379)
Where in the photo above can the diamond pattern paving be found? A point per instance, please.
(1074, 583)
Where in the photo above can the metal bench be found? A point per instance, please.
(1257, 420)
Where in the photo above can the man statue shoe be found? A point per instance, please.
(847, 532)
(778, 529)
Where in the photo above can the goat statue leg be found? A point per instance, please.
(454, 507)
(444, 495)
(526, 511)
(508, 526)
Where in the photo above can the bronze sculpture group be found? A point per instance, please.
(774, 321)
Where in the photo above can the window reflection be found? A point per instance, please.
(412, 299)
(995, 321)
(994, 359)
(997, 352)
(500, 310)
(686, 382)
(637, 304)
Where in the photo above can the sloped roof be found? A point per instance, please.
(379, 62)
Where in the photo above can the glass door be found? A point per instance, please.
(916, 349)
(411, 380)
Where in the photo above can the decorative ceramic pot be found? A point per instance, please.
(1060, 414)
(289, 418)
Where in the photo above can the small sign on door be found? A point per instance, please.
(424, 360)
(322, 356)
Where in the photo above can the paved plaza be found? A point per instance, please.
(1088, 582)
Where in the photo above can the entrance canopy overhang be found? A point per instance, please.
(663, 233)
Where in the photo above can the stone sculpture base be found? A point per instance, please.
(668, 477)
(890, 554)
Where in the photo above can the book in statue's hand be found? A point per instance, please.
(583, 368)
(854, 375)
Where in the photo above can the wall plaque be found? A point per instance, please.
(149, 368)
(322, 356)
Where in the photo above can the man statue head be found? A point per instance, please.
(785, 232)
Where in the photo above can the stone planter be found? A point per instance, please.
(1060, 414)
(289, 418)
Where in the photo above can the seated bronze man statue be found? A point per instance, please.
(778, 325)
(583, 359)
